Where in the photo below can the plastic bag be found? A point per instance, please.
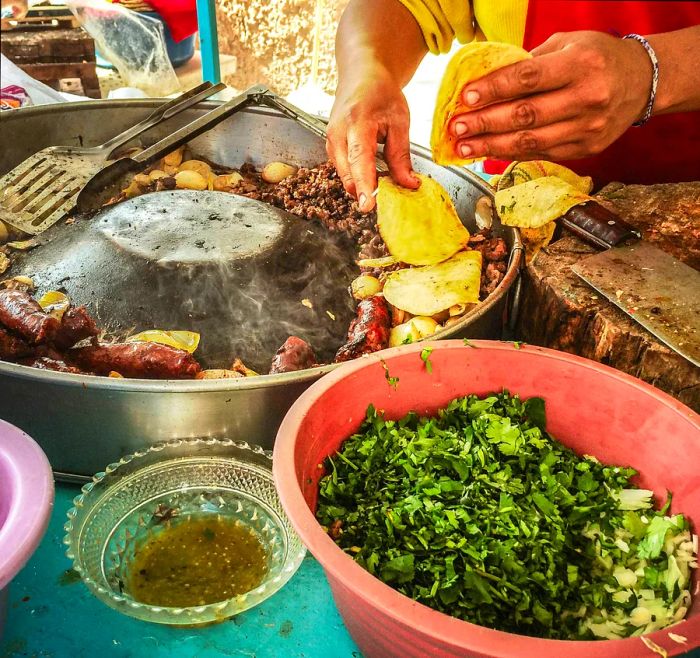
(133, 43)
(37, 92)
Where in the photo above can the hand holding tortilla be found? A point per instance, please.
(566, 101)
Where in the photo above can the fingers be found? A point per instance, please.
(338, 154)
(362, 153)
(526, 113)
(558, 141)
(545, 73)
(398, 156)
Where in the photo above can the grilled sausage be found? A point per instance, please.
(137, 359)
(369, 331)
(12, 347)
(20, 313)
(76, 325)
(49, 363)
(295, 354)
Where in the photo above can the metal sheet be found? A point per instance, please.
(84, 423)
(653, 288)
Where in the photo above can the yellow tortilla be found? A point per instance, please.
(537, 202)
(535, 239)
(470, 63)
(434, 288)
(521, 172)
(419, 227)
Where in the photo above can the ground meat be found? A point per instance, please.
(317, 194)
(295, 354)
(21, 314)
(491, 276)
(495, 253)
(369, 331)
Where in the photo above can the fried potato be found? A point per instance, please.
(434, 288)
(202, 168)
(469, 63)
(365, 286)
(218, 373)
(191, 180)
(537, 202)
(276, 172)
(419, 227)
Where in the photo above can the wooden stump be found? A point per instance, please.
(561, 311)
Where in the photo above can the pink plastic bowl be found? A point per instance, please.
(590, 407)
(26, 499)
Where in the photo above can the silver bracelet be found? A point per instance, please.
(654, 77)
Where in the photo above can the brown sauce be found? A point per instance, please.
(197, 561)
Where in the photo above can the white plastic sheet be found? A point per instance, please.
(132, 42)
(38, 92)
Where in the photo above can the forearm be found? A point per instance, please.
(679, 73)
(378, 33)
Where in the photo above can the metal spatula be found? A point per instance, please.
(43, 189)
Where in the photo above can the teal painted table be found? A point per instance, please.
(53, 615)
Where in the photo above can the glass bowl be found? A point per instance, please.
(134, 498)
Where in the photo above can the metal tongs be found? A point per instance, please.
(44, 188)
(108, 182)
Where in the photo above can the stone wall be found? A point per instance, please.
(280, 43)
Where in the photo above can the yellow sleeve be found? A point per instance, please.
(443, 21)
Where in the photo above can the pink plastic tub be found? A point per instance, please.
(26, 499)
(590, 407)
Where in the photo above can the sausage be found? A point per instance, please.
(137, 359)
(76, 325)
(295, 354)
(20, 313)
(50, 363)
(12, 347)
(369, 331)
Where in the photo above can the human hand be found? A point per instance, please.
(577, 95)
(369, 109)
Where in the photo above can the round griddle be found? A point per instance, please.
(231, 268)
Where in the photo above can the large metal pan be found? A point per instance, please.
(84, 422)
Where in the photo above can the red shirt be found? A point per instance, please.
(667, 148)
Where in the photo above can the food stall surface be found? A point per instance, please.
(53, 615)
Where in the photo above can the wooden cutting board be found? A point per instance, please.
(559, 310)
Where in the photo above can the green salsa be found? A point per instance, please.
(197, 561)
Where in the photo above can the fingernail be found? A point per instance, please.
(465, 150)
(460, 128)
(362, 199)
(472, 97)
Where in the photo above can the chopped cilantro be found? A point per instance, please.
(392, 381)
(425, 356)
(479, 513)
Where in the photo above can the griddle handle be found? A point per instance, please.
(598, 226)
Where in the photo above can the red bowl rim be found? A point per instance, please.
(423, 619)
